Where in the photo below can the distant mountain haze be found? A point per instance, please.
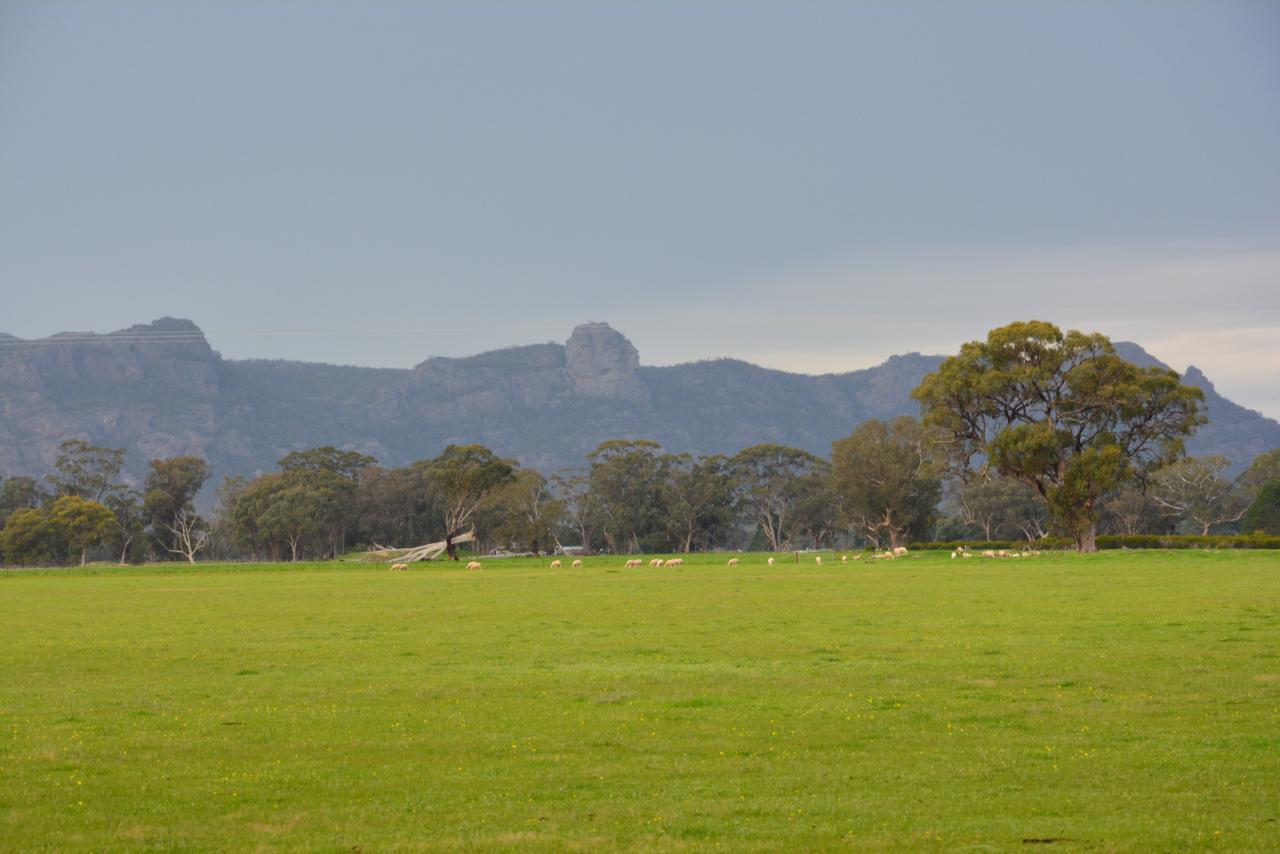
(160, 390)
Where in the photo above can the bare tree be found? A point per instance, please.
(189, 535)
(1195, 490)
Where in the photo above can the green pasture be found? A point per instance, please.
(1124, 701)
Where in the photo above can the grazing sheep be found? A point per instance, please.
(577, 564)
(953, 555)
(844, 558)
(857, 557)
(770, 561)
(399, 567)
(555, 564)
(632, 564)
(475, 564)
(988, 553)
(899, 551)
(733, 561)
(817, 559)
(965, 554)
(675, 561)
(657, 561)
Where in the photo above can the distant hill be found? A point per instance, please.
(159, 389)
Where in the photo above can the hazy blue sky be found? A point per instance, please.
(812, 186)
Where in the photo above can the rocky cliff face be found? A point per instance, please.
(603, 363)
(161, 390)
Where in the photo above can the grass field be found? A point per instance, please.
(1121, 701)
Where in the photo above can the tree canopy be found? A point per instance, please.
(1060, 412)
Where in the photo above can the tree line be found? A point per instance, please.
(1030, 433)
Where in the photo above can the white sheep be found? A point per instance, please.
(555, 564)
(657, 561)
(577, 564)
(733, 561)
(632, 564)
(475, 564)
(770, 561)
(817, 559)
(844, 558)
(899, 551)
(399, 567)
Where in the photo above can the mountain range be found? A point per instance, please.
(160, 390)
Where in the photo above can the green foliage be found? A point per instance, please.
(28, 539)
(697, 500)
(1130, 510)
(130, 520)
(625, 479)
(1264, 469)
(86, 470)
(70, 526)
(19, 493)
(1061, 413)
(997, 506)
(888, 477)
(768, 484)
(80, 524)
(328, 459)
(168, 497)
(463, 478)
(1263, 514)
(526, 514)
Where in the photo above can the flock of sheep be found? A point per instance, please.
(961, 551)
(887, 554)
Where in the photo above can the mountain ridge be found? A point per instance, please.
(160, 389)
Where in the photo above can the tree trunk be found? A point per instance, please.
(450, 547)
(1087, 538)
(1204, 532)
(83, 554)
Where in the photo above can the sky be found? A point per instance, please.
(806, 185)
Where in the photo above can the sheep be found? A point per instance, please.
(675, 561)
(577, 564)
(965, 554)
(857, 557)
(555, 564)
(844, 558)
(657, 561)
(475, 564)
(733, 561)
(899, 551)
(988, 553)
(817, 559)
(953, 555)
(632, 564)
(399, 567)
(770, 561)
